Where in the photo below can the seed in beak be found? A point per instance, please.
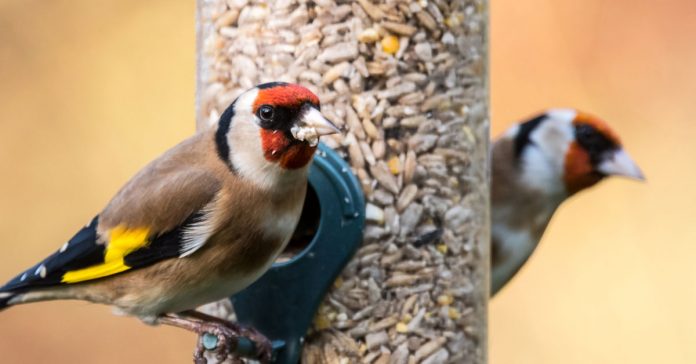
(311, 125)
(312, 118)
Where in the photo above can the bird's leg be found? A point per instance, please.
(262, 346)
(228, 335)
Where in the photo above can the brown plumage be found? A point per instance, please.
(239, 250)
(199, 223)
(516, 206)
(538, 164)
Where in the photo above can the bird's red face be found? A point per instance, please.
(290, 123)
(594, 153)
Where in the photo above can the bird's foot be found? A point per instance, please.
(229, 340)
(224, 339)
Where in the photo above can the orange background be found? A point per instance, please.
(92, 90)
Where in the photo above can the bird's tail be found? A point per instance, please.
(11, 298)
(21, 290)
(5, 298)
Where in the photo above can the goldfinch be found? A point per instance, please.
(196, 225)
(538, 164)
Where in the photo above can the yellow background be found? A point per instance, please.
(92, 90)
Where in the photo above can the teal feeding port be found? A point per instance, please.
(282, 303)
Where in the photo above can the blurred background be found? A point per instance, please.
(92, 90)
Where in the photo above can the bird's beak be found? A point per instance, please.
(619, 163)
(312, 118)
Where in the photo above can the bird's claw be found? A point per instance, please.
(262, 346)
(224, 339)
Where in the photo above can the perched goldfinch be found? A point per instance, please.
(196, 225)
(538, 164)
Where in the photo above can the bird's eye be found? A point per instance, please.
(266, 113)
(594, 142)
(589, 137)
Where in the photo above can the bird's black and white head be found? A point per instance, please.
(271, 131)
(564, 151)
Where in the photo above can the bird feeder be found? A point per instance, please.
(390, 261)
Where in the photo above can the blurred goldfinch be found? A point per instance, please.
(199, 223)
(536, 165)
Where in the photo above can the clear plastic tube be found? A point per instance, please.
(408, 81)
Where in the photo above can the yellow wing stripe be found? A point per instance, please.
(122, 242)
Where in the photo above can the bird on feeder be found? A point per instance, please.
(538, 164)
(198, 224)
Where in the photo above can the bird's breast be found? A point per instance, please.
(259, 229)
